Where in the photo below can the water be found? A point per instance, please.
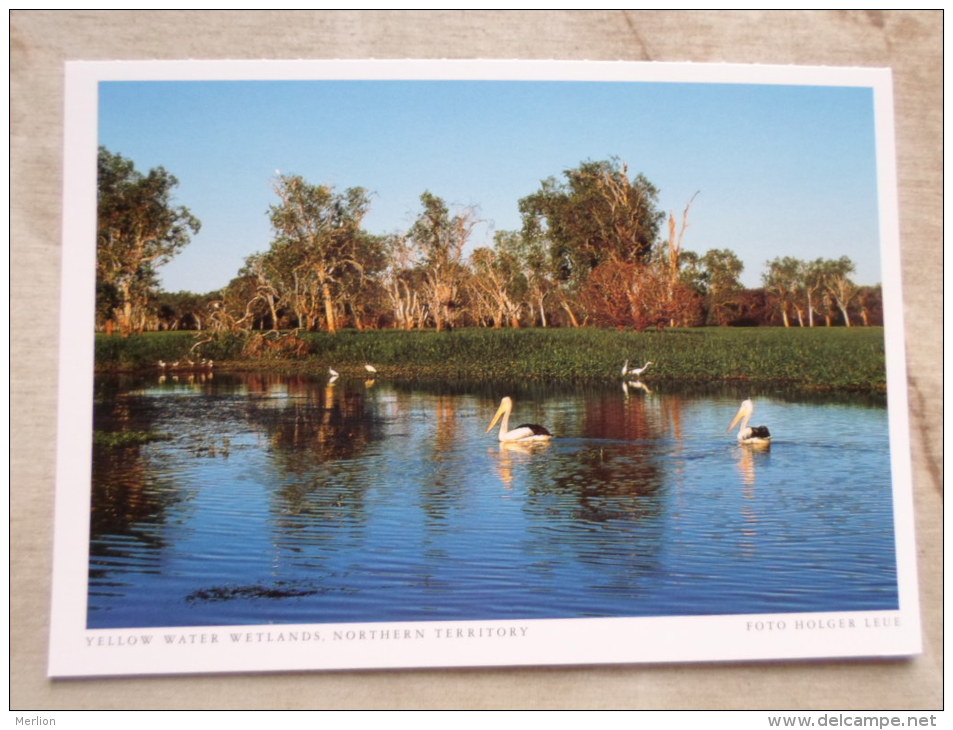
(287, 500)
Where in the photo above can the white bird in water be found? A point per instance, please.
(754, 435)
(370, 369)
(626, 370)
(635, 384)
(523, 432)
(334, 373)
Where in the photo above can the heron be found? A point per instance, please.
(626, 370)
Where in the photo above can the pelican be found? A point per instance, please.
(523, 432)
(755, 435)
(162, 364)
(634, 371)
(334, 373)
(371, 369)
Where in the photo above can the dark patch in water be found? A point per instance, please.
(227, 593)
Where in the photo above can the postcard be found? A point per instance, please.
(394, 364)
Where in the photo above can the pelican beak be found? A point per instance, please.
(738, 416)
(499, 412)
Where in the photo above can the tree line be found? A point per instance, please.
(594, 249)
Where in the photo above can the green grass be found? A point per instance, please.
(122, 439)
(835, 358)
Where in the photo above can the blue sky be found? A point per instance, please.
(780, 170)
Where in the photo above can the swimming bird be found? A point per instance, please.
(626, 370)
(334, 373)
(755, 435)
(523, 432)
(370, 368)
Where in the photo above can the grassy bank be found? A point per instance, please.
(838, 358)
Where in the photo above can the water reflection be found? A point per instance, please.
(293, 499)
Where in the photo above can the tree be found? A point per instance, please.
(362, 289)
(870, 301)
(812, 283)
(840, 287)
(400, 280)
(317, 233)
(440, 238)
(782, 279)
(721, 271)
(530, 257)
(597, 215)
(498, 281)
(182, 310)
(138, 230)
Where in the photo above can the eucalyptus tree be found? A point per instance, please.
(317, 236)
(783, 279)
(497, 280)
(870, 302)
(812, 286)
(598, 214)
(722, 269)
(840, 287)
(401, 281)
(440, 238)
(362, 293)
(139, 228)
(262, 269)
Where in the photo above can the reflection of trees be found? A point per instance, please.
(318, 433)
(309, 424)
(610, 486)
(122, 493)
(443, 483)
(597, 484)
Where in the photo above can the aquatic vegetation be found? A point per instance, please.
(821, 357)
(122, 439)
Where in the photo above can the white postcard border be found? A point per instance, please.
(76, 651)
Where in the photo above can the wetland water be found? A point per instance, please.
(278, 499)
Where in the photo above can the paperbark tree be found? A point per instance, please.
(721, 271)
(138, 229)
(440, 238)
(837, 281)
(782, 279)
(318, 231)
(598, 214)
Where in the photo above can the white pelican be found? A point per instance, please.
(626, 370)
(162, 364)
(334, 373)
(755, 435)
(523, 432)
(370, 368)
